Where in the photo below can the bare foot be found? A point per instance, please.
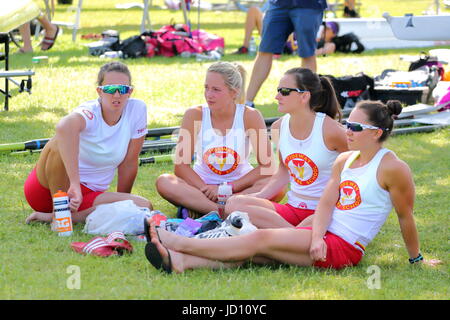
(39, 217)
(168, 239)
(171, 259)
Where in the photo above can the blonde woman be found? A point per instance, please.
(220, 133)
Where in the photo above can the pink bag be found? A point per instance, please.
(208, 41)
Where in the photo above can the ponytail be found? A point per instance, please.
(323, 97)
(381, 115)
(329, 104)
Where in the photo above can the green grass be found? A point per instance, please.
(35, 261)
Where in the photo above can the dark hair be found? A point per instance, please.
(323, 98)
(115, 66)
(381, 115)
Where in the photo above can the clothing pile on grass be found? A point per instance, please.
(426, 81)
(170, 40)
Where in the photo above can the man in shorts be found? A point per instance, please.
(283, 17)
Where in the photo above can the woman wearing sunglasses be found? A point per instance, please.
(220, 134)
(93, 141)
(310, 139)
(365, 184)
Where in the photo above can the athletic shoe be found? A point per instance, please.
(241, 50)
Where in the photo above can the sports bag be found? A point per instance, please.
(133, 47)
(351, 89)
(348, 43)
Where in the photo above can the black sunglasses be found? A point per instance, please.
(287, 91)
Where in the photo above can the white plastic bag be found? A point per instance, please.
(123, 216)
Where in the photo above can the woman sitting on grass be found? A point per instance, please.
(364, 186)
(93, 141)
(309, 142)
(221, 133)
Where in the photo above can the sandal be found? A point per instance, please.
(114, 244)
(118, 241)
(155, 258)
(97, 247)
(48, 42)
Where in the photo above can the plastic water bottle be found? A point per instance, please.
(63, 217)
(252, 48)
(224, 192)
(234, 229)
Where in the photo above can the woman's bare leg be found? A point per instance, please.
(179, 192)
(252, 21)
(52, 175)
(25, 33)
(289, 246)
(260, 211)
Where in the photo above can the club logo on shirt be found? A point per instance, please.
(350, 195)
(301, 168)
(221, 160)
(88, 114)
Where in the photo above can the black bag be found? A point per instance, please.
(133, 47)
(348, 43)
(351, 89)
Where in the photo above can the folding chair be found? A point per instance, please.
(12, 15)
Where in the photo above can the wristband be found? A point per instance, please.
(417, 259)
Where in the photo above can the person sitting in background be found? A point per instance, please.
(51, 33)
(254, 21)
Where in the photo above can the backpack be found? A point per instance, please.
(170, 40)
(426, 60)
(133, 47)
(351, 89)
(348, 43)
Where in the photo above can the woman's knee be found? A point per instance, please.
(165, 184)
(235, 203)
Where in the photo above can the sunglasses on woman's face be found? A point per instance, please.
(287, 91)
(358, 127)
(113, 88)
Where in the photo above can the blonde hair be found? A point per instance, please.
(234, 76)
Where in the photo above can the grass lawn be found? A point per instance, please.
(36, 262)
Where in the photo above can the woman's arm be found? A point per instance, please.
(276, 183)
(259, 139)
(127, 170)
(335, 136)
(68, 140)
(325, 208)
(395, 176)
(186, 146)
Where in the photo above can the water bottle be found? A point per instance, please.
(234, 229)
(63, 217)
(224, 192)
(252, 48)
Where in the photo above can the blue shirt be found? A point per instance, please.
(310, 4)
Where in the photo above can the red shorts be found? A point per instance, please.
(340, 253)
(292, 214)
(40, 198)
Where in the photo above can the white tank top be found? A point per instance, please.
(363, 205)
(309, 162)
(222, 158)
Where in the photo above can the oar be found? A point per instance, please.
(28, 145)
